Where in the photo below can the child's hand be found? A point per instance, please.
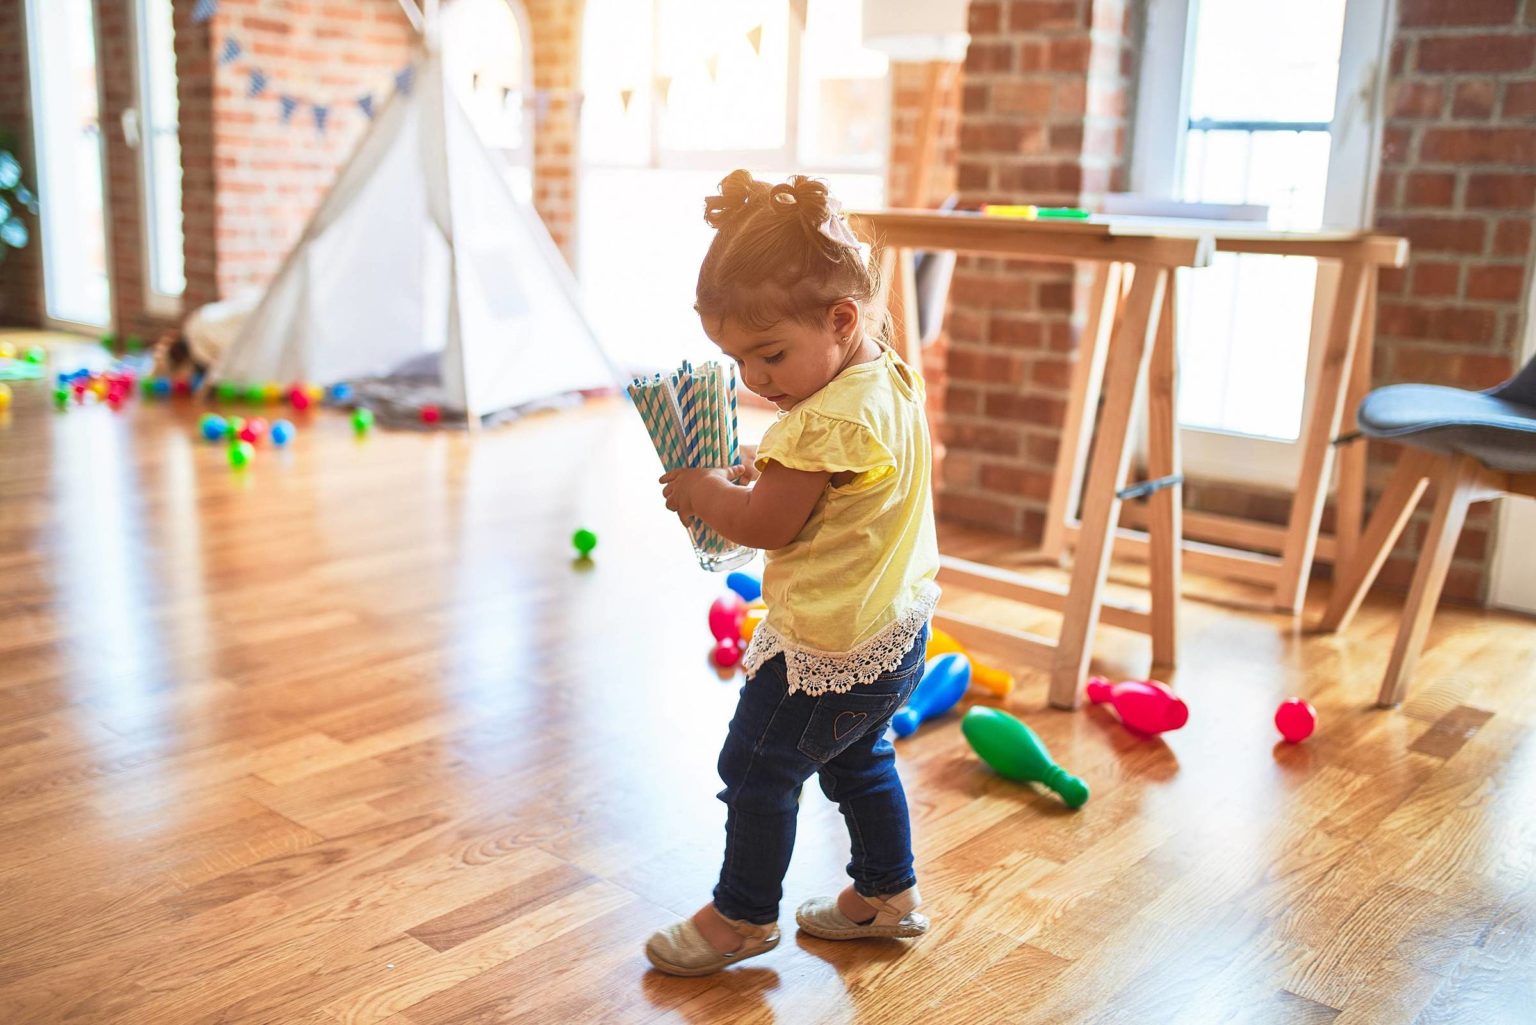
(681, 487)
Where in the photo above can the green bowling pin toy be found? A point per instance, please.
(1015, 752)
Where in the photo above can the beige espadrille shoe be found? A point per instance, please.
(680, 949)
(896, 915)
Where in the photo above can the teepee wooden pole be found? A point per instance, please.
(413, 13)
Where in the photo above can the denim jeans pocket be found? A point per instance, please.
(840, 719)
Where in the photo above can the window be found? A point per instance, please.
(160, 152)
(67, 134)
(1241, 105)
(676, 94)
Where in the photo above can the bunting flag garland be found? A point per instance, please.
(204, 10)
(712, 65)
(288, 104)
(230, 52)
(365, 104)
(405, 78)
(321, 112)
(625, 96)
(258, 83)
(755, 37)
(663, 88)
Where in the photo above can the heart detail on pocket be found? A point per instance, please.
(847, 722)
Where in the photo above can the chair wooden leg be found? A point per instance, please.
(1454, 491)
(1352, 579)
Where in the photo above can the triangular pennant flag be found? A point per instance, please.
(289, 104)
(663, 88)
(321, 112)
(404, 79)
(204, 10)
(712, 65)
(258, 83)
(625, 95)
(365, 103)
(230, 52)
(755, 37)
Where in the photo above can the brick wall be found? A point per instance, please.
(911, 83)
(1459, 180)
(21, 289)
(249, 181)
(1044, 120)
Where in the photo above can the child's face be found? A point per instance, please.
(792, 360)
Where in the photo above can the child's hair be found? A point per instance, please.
(770, 259)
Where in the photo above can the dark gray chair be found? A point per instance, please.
(1474, 446)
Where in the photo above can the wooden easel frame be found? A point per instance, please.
(1229, 546)
(1142, 338)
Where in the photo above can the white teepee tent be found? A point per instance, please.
(421, 249)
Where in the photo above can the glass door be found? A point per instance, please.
(61, 42)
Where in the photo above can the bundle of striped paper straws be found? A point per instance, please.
(691, 417)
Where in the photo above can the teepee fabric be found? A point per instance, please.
(421, 248)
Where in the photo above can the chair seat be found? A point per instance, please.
(1499, 433)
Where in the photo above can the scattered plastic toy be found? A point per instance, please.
(1015, 752)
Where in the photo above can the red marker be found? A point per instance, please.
(1145, 706)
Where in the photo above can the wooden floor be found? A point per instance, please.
(347, 738)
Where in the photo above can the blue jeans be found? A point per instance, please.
(776, 741)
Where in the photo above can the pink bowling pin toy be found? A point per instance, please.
(1145, 706)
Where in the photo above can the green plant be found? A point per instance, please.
(14, 198)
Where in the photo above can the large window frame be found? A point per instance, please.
(148, 122)
(1157, 168)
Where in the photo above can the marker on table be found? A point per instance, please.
(1030, 212)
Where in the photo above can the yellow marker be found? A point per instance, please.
(1023, 211)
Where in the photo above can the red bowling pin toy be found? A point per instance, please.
(1145, 706)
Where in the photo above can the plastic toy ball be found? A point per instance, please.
(34, 354)
(226, 391)
(271, 392)
(253, 430)
(725, 616)
(431, 414)
(726, 654)
(213, 427)
(315, 393)
(134, 343)
(1295, 719)
(585, 541)
(232, 425)
(745, 584)
(162, 387)
(298, 398)
(61, 398)
(181, 387)
(248, 435)
(281, 433)
(362, 419)
(5, 397)
(240, 454)
(147, 387)
(341, 393)
(7, 350)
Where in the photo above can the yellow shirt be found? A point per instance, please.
(847, 596)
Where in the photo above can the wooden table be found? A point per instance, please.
(1278, 557)
(1140, 336)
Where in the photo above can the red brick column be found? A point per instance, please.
(1044, 121)
(21, 275)
(556, 113)
(910, 85)
(1459, 180)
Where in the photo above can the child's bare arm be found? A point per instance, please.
(767, 514)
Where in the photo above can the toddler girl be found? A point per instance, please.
(838, 497)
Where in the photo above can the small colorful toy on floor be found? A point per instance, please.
(362, 420)
(998, 682)
(281, 432)
(726, 615)
(944, 683)
(585, 542)
(1296, 720)
(1014, 752)
(1144, 706)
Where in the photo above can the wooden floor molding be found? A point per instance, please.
(348, 738)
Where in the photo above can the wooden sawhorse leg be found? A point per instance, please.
(1126, 365)
(1165, 531)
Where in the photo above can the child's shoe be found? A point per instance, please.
(681, 949)
(894, 915)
